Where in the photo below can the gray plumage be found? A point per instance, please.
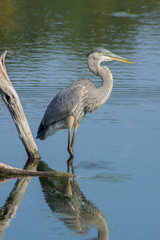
(70, 105)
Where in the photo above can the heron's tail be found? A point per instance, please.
(46, 131)
(41, 132)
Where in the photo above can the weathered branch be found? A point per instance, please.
(11, 99)
(8, 170)
(8, 211)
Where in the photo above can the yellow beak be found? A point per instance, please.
(121, 59)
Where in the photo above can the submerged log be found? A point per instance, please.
(16, 172)
(11, 99)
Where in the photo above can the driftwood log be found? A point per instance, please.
(11, 171)
(8, 210)
(11, 99)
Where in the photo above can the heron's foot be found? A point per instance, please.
(70, 150)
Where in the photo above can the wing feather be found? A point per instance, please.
(65, 102)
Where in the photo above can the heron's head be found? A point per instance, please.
(104, 55)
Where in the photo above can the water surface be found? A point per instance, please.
(117, 147)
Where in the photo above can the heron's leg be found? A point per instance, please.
(70, 164)
(74, 134)
(69, 140)
(71, 121)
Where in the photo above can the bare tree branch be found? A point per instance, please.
(11, 99)
(8, 170)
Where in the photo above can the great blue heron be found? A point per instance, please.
(71, 104)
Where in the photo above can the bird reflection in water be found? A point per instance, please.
(65, 198)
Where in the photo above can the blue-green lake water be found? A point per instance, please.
(117, 154)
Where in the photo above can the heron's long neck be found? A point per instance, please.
(103, 92)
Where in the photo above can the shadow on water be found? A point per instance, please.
(64, 198)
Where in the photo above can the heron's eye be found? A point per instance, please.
(105, 54)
